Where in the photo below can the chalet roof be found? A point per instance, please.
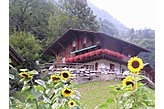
(57, 43)
(15, 56)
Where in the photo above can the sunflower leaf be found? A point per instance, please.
(33, 72)
(25, 87)
(36, 93)
(22, 80)
(58, 85)
(42, 83)
(29, 97)
(39, 87)
(46, 100)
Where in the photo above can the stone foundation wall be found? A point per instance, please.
(93, 78)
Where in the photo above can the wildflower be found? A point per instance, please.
(135, 65)
(25, 75)
(71, 103)
(65, 75)
(55, 78)
(67, 92)
(129, 80)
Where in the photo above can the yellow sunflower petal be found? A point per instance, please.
(29, 77)
(129, 80)
(135, 64)
(24, 74)
(55, 78)
(67, 92)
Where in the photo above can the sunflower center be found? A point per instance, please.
(67, 91)
(55, 78)
(65, 75)
(129, 82)
(25, 75)
(135, 64)
(71, 103)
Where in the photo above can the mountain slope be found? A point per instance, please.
(105, 15)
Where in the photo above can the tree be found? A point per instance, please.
(71, 14)
(30, 16)
(27, 46)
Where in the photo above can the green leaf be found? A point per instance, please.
(25, 87)
(22, 80)
(58, 85)
(46, 100)
(36, 93)
(38, 87)
(29, 97)
(33, 72)
(42, 83)
(140, 84)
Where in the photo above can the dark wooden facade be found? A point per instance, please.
(75, 42)
(149, 72)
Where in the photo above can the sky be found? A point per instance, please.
(137, 14)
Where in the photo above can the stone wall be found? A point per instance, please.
(92, 78)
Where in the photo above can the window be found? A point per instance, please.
(129, 55)
(73, 45)
(84, 42)
(112, 67)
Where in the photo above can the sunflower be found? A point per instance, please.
(55, 78)
(65, 75)
(129, 80)
(67, 92)
(71, 103)
(135, 65)
(25, 75)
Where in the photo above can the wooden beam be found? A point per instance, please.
(54, 53)
(61, 45)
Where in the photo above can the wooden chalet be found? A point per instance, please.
(15, 57)
(95, 51)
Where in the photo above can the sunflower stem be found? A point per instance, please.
(36, 101)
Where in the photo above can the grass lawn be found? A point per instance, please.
(95, 93)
